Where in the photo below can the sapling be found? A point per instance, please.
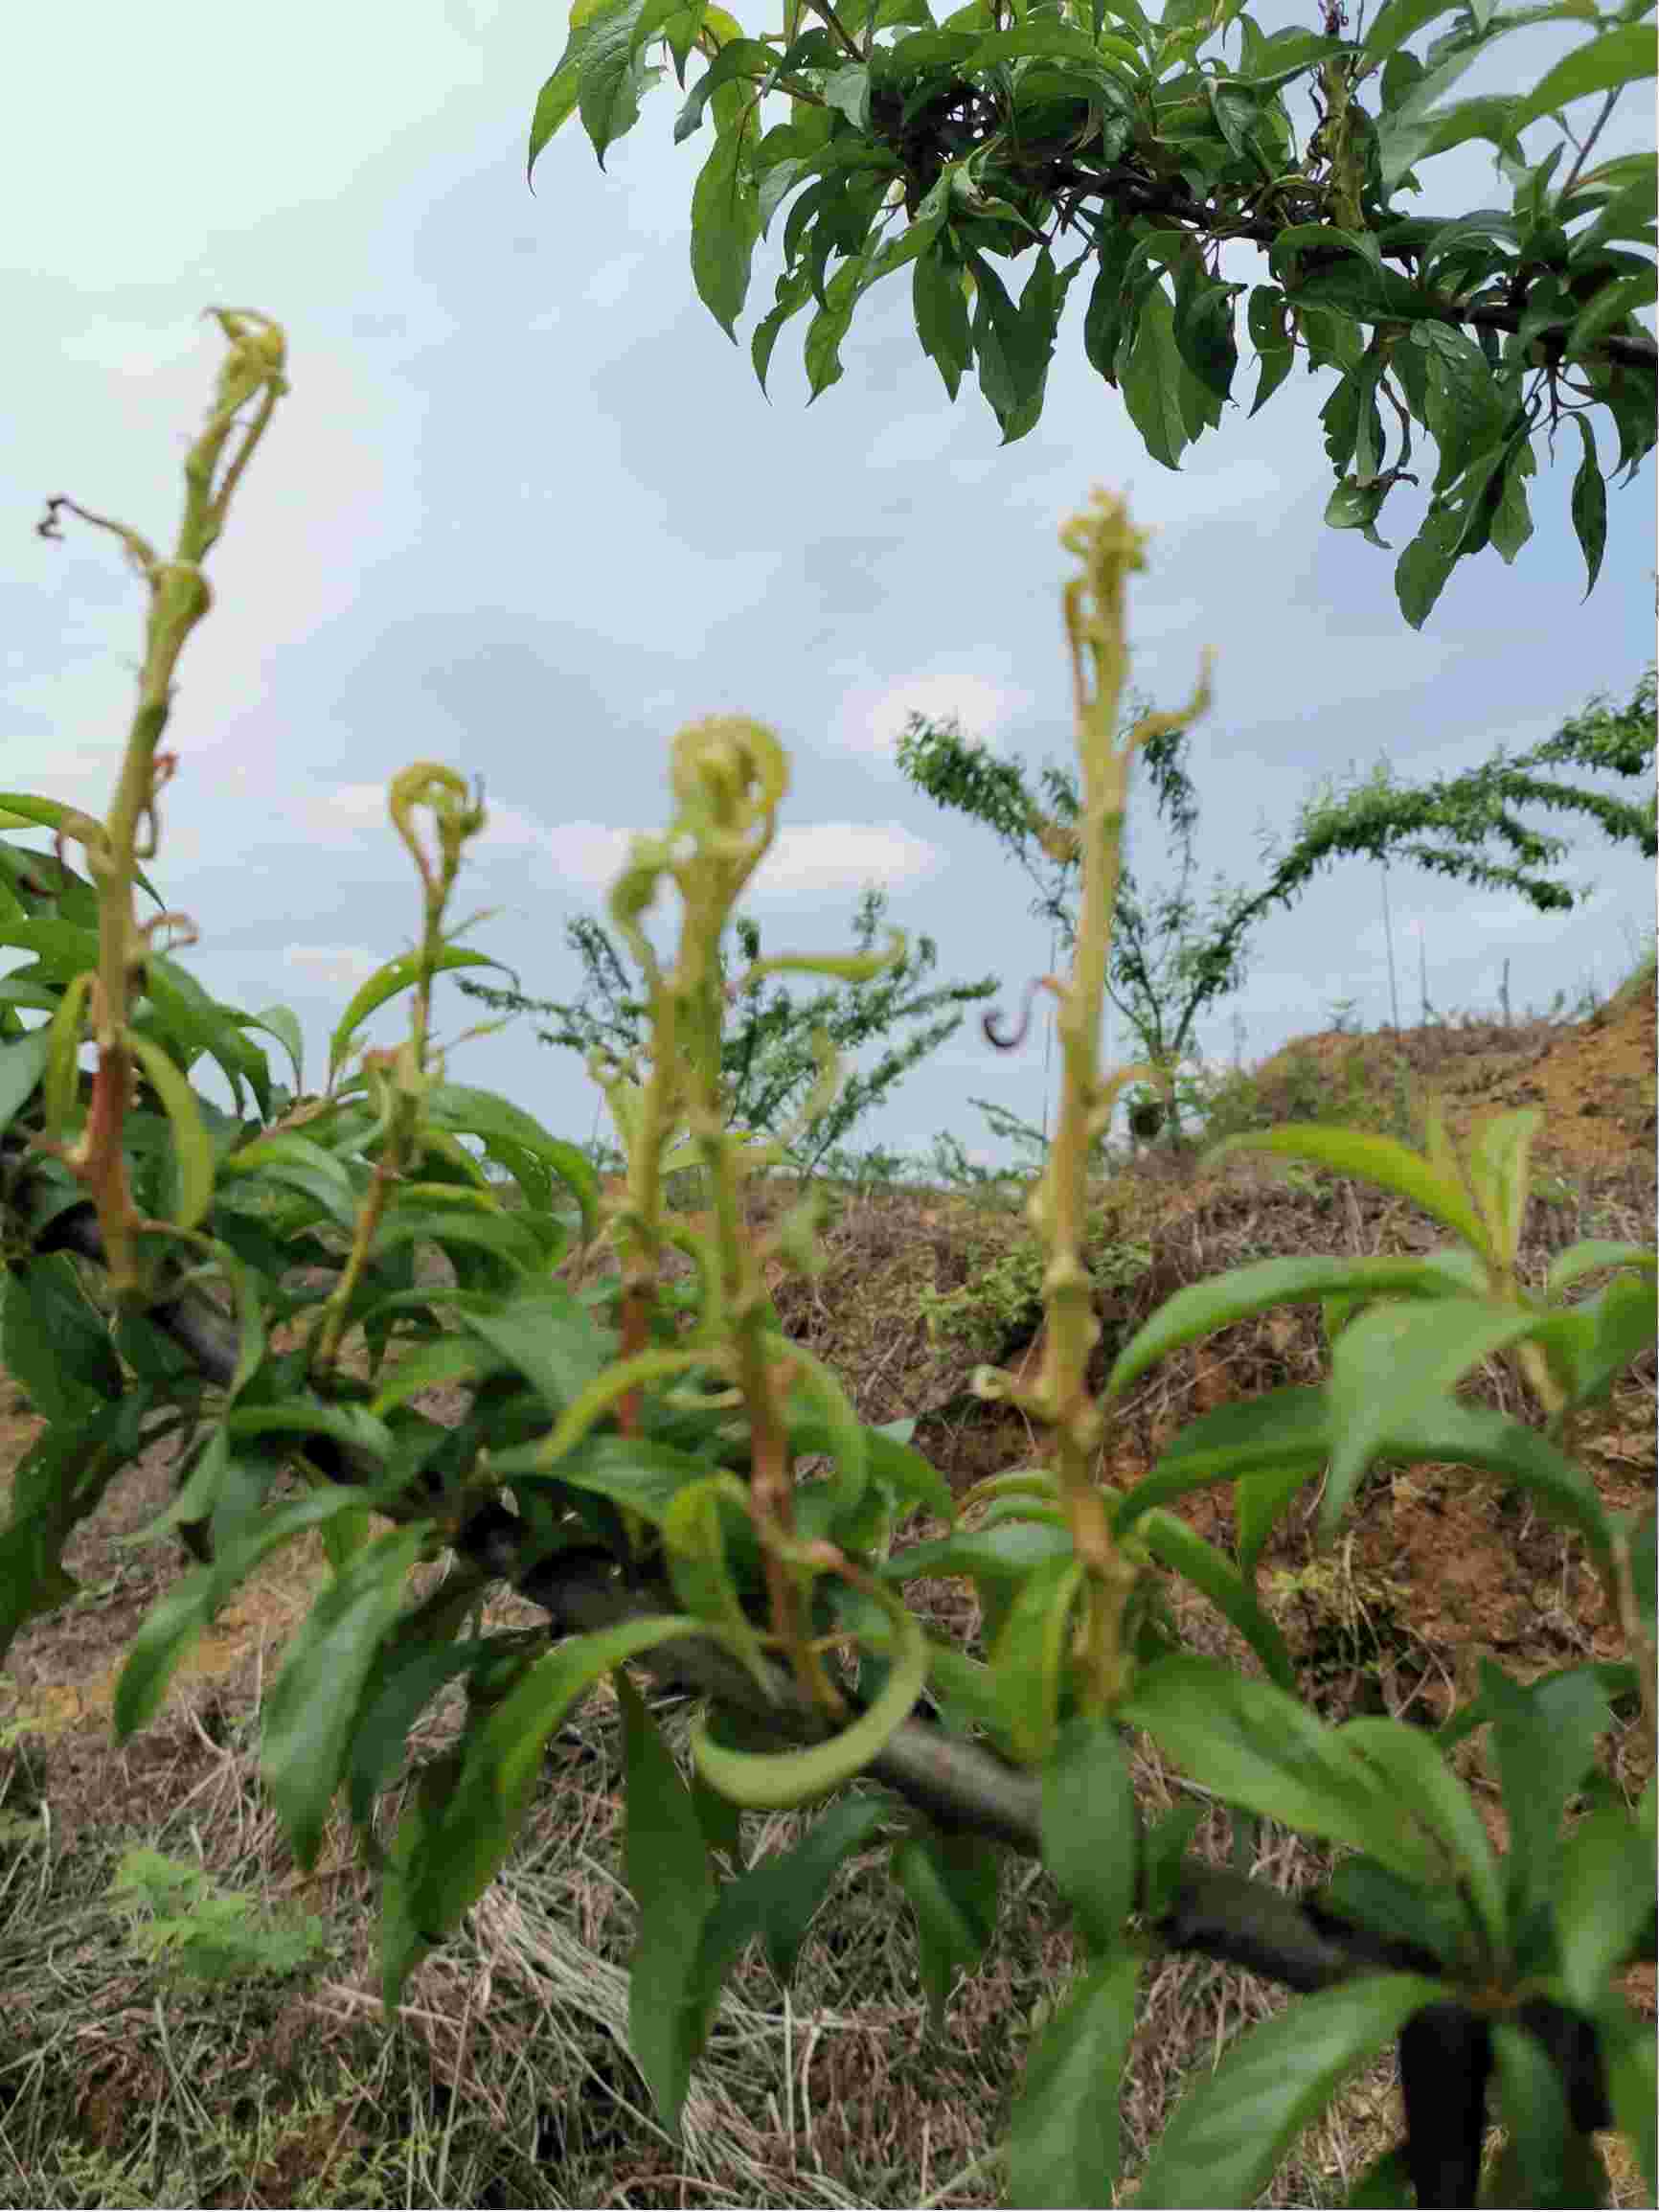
(637, 1483)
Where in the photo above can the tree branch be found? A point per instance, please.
(1129, 193)
(957, 1784)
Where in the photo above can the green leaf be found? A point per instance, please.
(446, 1359)
(1538, 2154)
(1420, 573)
(310, 1711)
(1256, 1746)
(400, 974)
(950, 1881)
(1109, 303)
(793, 291)
(830, 325)
(59, 1480)
(55, 1344)
(1286, 55)
(297, 1163)
(1203, 326)
(1354, 505)
(1013, 358)
(1391, 1362)
(1258, 1503)
(1609, 309)
(62, 950)
(666, 1865)
(725, 223)
(1512, 525)
(1545, 1742)
(1149, 374)
(1413, 1767)
(192, 1149)
(889, 1459)
(776, 1899)
(1629, 2049)
(1604, 1897)
(1229, 2134)
(395, 1696)
(1163, 1852)
(549, 1336)
(278, 1022)
(456, 1859)
(304, 1415)
(698, 1566)
(1063, 2144)
(743, 59)
(173, 1624)
(1089, 1832)
(1185, 1552)
(1411, 1912)
(608, 78)
(1590, 505)
(1030, 1656)
(195, 1022)
(786, 1778)
(998, 1559)
(556, 99)
(942, 319)
(506, 1129)
(505, 1236)
(849, 90)
(1202, 1308)
(1614, 56)
(22, 1064)
(632, 1472)
(1270, 335)
(1375, 1159)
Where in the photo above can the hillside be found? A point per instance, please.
(1435, 1566)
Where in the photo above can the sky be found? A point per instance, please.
(526, 512)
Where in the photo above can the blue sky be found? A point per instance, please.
(526, 510)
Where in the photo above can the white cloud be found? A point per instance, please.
(79, 775)
(347, 813)
(507, 825)
(339, 967)
(131, 347)
(843, 856)
(871, 718)
(586, 855)
(203, 176)
(821, 856)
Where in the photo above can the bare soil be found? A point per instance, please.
(1436, 1566)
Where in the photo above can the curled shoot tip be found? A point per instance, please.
(732, 765)
(457, 815)
(258, 354)
(1105, 541)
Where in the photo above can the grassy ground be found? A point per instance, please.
(203, 2028)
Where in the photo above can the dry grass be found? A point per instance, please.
(504, 2078)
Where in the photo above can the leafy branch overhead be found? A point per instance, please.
(1087, 134)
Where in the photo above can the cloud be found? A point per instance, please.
(832, 856)
(132, 348)
(871, 718)
(812, 857)
(339, 967)
(586, 855)
(347, 813)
